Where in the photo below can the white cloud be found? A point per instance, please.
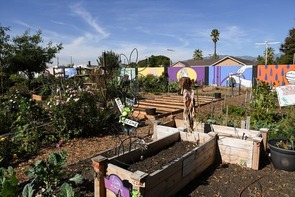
(87, 17)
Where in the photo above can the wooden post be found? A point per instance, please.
(155, 134)
(256, 153)
(226, 115)
(138, 180)
(264, 132)
(248, 122)
(243, 124)
(99, 165)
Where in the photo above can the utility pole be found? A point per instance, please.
(266, 43)
(171, 50)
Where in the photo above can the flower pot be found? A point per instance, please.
(207, 127)
(282, 159)
(217, 95)
(150, 111)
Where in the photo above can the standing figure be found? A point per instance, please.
(189, 107)
(184, 83)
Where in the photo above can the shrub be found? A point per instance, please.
(74, 112)
(263, 106)
(8, 182)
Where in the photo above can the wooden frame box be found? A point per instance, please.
(236, 145)
(166, 181)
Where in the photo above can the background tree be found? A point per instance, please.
(4, 54)
(198, 54)
(215, 37)
(110, 62)
(260, 60)
(288, 48)
(154, 61)
(28, 54)
(270, 55)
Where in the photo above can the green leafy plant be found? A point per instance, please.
(5, 150)
(74, 112)
(263, 106)
(8, 182)
(285, 129)
(287, 144)
(29, 117)
(46, 176)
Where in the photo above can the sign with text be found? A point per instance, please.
(119, 104)
(286, 95)
(115, 184)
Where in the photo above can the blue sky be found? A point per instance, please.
(87, 28)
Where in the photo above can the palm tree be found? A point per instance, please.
(215, 37)
(198, 54)
(269, 54)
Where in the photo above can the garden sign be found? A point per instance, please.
(125, 120)
(286, 95)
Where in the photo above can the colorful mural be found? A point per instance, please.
(219, 75)
(156, 71)
(276, 75)
(128, 71)
(194, 72)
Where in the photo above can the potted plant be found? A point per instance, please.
(282, 142)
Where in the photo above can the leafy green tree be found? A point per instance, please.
(154, 61)
(110, 63)
(288, 48)
(4, 53)
(198, 54)
(215, 37)
(260, 60)
(270, 56)
(28, 54)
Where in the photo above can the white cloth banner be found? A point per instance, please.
(286, 95)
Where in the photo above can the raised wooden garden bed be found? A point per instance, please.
(236, 145)
(113, 177)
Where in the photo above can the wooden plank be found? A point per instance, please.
(233, 142)
(229, 150)
(199, 137)
(163, 131)
(235, 131)
(235, 159)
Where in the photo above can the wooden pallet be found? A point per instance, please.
(166, 105)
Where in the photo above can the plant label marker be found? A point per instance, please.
(115, 184)
(126, 120)
(119, 104)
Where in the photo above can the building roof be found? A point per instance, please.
(238, 61)
(216, 62)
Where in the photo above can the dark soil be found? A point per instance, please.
(162, 158)
(221, 179)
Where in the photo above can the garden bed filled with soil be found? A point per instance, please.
(162, 158)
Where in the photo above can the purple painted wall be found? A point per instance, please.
(194, 72)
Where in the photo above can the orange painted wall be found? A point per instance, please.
(274, 74)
